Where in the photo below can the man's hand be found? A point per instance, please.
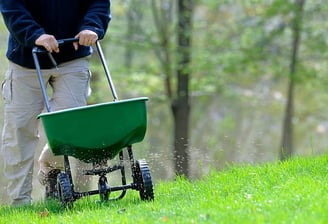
(86, 38)
(49, 42)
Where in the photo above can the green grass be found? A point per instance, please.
(294, 191)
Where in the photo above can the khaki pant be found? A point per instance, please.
(23, 102)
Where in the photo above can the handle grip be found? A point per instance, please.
(67, 41)
(40, 49)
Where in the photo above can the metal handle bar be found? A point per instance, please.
(39, 50)
(61, 42)
(42, 50)
(109, 78)
(67, 41)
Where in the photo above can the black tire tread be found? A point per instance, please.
(144, 180)
(64, 189)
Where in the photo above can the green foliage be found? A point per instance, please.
(234, 42)
(293, 191)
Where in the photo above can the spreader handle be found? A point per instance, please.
(67, 41)
(40, 49)
(37, 50)
(107, 73)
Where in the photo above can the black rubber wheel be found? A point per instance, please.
(144, 181)
(64, 188)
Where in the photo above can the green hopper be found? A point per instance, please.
(96, 132)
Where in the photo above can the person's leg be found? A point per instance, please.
(23, 102)
(70, 86)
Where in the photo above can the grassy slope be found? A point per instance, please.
(289, 192)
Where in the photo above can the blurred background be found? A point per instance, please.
(257, 80)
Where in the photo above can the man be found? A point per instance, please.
(41, 23)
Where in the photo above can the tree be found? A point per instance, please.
(179, 99)
(180, 105)
(286, 148)
(134, 16)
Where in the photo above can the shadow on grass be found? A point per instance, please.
(87, 203)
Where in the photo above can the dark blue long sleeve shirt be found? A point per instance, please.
(27, 20)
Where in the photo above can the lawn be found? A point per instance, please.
(293, 191)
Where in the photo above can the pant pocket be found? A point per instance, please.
(6, 87)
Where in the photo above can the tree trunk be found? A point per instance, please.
(181, 106)
(286, 149)
(163, 20)
(134, 18)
